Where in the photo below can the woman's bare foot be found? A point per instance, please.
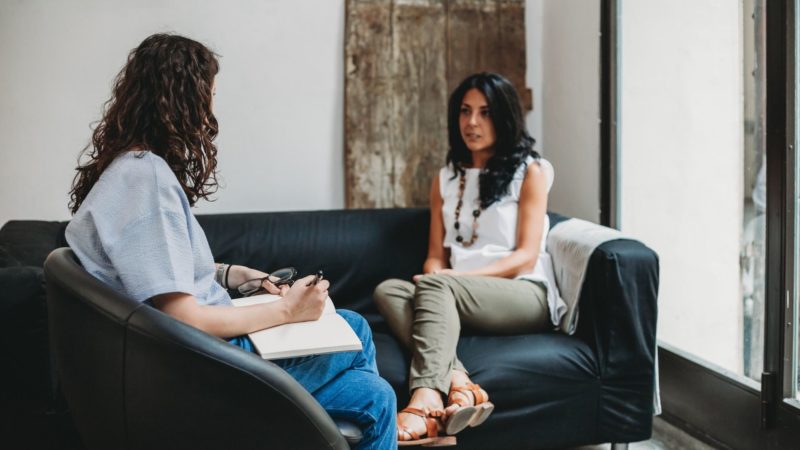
(459, 379)
(424, 399)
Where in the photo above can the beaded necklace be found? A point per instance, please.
(475, 214)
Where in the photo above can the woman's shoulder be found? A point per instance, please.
(132, 188)
(446, 171)
(142, 178)
(545, 165)
(540, 167)
(446, 175)
(524, 167)
(141, 168)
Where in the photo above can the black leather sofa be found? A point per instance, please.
(550, 390)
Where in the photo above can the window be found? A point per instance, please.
(700, 161)
(691, 151)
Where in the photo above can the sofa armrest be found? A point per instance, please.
(618, 312)
(24, 345)
(614, 282)
(609, 283)
(618, 308)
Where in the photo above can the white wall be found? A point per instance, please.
(682, 164)
(279, 95)
(533, 75)
(279, 101)
(569, 101)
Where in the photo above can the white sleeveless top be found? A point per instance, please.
(497, 228)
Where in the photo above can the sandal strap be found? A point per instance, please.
(431, 423)
(453, 400)
(479, 395)
(431, 427)
(414, 411)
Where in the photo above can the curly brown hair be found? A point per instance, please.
(161, 102)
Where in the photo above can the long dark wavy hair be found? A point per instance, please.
(513, 143)
(161, 101)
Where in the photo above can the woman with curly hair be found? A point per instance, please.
(151, 158)
(486, 269)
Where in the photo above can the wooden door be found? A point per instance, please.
(402, 60)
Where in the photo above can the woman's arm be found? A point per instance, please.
(236, 275)
(437, 256)
(301, 303)
(530, 224)
(239, 274)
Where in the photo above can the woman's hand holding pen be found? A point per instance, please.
(305, 300)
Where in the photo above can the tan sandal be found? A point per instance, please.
(433, 423)
(467, 415)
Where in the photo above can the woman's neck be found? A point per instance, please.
(479, 159)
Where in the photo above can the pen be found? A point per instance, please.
(316, 279)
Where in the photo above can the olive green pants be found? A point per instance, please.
(426, 318)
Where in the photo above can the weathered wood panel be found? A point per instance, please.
(487, 36)
(368, 104)
(420, 89)
(403, 58)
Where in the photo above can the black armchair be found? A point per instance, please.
(136, 378)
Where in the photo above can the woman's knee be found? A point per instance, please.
(381, 410)
(390, 289)
(435, 282)
(391, 292)
(385, 398)
(381, 293)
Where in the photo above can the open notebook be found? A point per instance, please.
(330, 333)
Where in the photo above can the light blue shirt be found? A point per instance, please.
(135, 231)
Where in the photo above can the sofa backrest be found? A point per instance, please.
(29, 242)
(356, 249)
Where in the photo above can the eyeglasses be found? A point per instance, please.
(280, 277)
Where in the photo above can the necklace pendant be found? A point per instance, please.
(475, 214)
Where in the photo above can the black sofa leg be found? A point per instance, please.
(617, 446)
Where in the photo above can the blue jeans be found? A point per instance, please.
(348, 387)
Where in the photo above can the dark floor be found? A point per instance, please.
(665, 437)
(54, 431)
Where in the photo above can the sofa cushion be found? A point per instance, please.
(540, 384)
(537, 375)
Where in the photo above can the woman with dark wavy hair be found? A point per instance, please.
(486, 269)
(151, 158)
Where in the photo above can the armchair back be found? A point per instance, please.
(137, 378)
